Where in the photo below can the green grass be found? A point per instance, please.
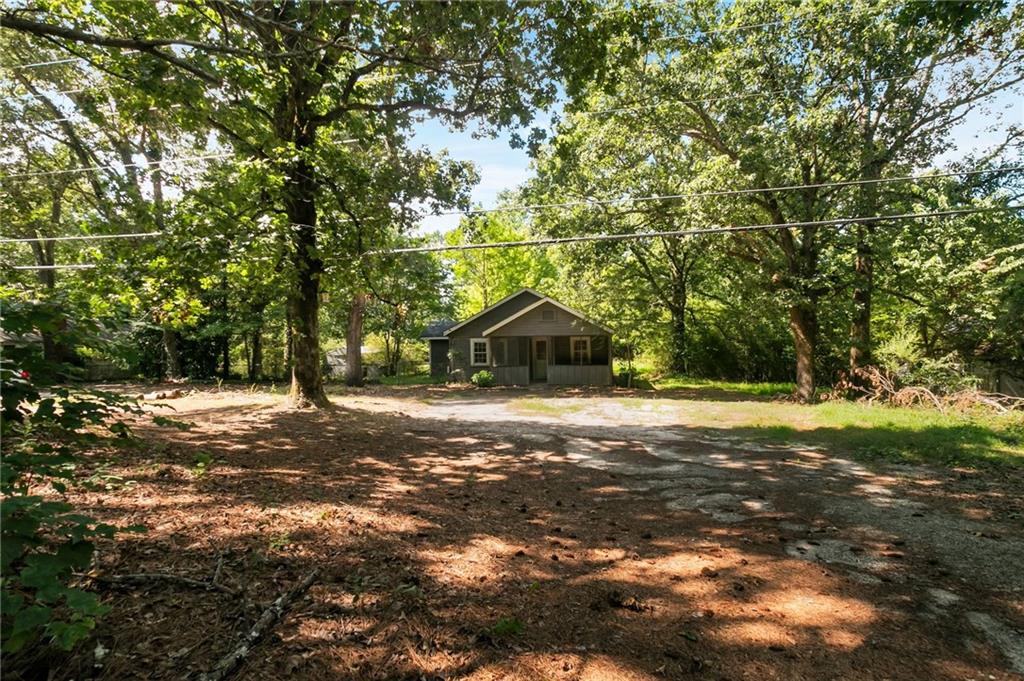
(857, 430)
(412, 379)
(688, 383)
(539, 406)
(902, 435)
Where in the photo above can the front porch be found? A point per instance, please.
(554, 360)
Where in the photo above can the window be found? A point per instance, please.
(479, 352)
(580, 346)
(547, 315)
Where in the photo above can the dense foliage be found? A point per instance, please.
(298, 120)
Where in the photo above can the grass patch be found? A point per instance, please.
(536, 406)
(915, 435)
(869, 432)
(688, 383)
(412, 379)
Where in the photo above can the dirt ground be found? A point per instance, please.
(458, 535)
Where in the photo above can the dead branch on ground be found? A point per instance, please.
(270, 617)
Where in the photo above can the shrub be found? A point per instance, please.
(482, 379)
(44, 541)
(906, 365)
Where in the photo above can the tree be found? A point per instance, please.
(785, 105)
(408, 292)
(485, 276)
(276, 79)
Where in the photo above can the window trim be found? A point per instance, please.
(572, 350)
(472, 352)
(554, 316)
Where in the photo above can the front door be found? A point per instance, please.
(540, 359)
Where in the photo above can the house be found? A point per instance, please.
(524, 338)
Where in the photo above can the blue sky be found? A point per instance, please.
(501, 167)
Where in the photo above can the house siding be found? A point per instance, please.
(533, 324)
(476, 328)
(512, 375)
(572, 374)
(459, 338)
(438, 357)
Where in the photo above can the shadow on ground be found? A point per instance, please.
(493, 551)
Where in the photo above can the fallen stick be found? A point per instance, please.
(216, 572)
(144, 577)
(269, 618)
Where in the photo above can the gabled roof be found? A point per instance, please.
(544, 299)
(488, 309)
(436, 329)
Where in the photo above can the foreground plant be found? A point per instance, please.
(45, 428)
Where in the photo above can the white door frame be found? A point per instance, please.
(533, 357)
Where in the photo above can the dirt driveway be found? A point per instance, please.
(487, 535)
(878, 524)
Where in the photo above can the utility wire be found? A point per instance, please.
(586, 202)
(29, 95)
(81, 237)
(630, 237)
(688, 232)
(726, 192)
(18, 67)
(110, 166)
(84, 266)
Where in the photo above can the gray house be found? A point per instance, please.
(524, 338)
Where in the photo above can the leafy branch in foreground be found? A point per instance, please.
(45, 427)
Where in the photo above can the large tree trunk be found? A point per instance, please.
(225, 352)
(256, 355)
(863, 265)
(860, 327)
(803, 322)
(171, 354)
(680, 350)
(354, 341)
(304, 300)
(288, 338)
(54, 350)
(396, 364)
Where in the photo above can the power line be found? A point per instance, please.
(18, 67)
(687, 232)
(146, 164)
(30, 95)
(763, 93)
(81, 237)
(84, 266)
(586, 202)
(726, 192)
(74, 115)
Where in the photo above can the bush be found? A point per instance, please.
(901, 357)
(482, 379)
(43, 427)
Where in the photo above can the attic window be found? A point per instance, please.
(547, 315)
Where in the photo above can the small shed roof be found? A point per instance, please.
(436, 329)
